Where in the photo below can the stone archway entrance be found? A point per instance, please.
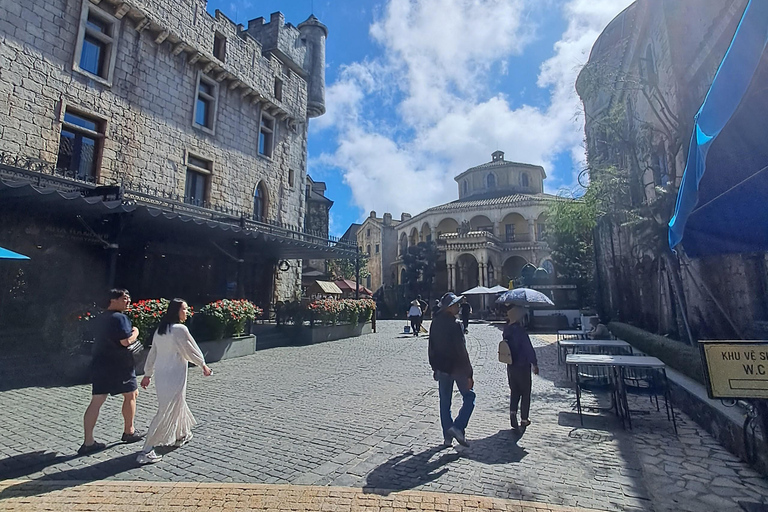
(467, 273)
(512, 267)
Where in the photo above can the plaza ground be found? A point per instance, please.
(352, 425)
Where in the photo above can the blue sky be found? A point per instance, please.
(417, 91)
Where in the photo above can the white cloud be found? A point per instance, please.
(436, 75)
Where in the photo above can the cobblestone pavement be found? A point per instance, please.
(362, 413)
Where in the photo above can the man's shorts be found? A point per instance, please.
(108, 380)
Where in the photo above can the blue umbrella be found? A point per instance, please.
(524, 297)
(5, 254)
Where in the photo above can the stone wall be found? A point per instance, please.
(147, 110)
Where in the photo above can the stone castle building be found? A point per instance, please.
(653, 65)
(154, 146)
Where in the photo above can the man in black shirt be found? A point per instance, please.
(113, 370)
(466, 310)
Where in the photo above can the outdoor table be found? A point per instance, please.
(618, 346)
(619, 364)
(568, 334)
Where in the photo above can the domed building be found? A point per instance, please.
(496, 227)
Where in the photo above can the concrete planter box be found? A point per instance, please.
(228, 348)
(319, 334)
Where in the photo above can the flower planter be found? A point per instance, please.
(321, 333)
(227, 348)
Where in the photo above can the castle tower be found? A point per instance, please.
(314, 33)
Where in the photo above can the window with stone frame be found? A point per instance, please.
(80, 146)
(525, 181)
(266, 135)
(368, 250)
(197, 180)
(260, 202)
(491, 181)
(96, 49)
(219, 47)
(278, 89)
(206, 103)
(541, 231)
(291, 177)
(377, 248)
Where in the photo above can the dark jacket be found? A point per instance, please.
(520, 346)
(447, 347)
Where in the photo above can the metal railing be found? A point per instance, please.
(45, 174)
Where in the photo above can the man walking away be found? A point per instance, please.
(449, 360)
(466, 310)
(113, 370)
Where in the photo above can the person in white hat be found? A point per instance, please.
(414, 315)
(449, 360)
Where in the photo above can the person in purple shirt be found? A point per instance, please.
(519, 372)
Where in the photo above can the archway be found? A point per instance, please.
(490, 181)
(512, 266)
(514, 228)
(426, 232)
(541, 228)
(481, 223)
(448, 225)
(467, 275)
(414, 238)
(403, 244)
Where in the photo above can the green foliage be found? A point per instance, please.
(345, 268)
(145, 315)
(420, 263)
(676, 354)
(570, 224)
(226, 318)
(345, 311)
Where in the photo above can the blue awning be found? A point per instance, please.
(5, 254)
(722, 204)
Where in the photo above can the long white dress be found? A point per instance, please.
(167, 360)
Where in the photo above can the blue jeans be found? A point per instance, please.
(445, 383)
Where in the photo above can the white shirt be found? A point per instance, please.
(414, 311)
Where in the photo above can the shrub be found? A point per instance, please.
(350, 311)
(227, 318)
(676, 354)
(145, 315)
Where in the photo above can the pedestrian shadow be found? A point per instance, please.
(32, 462)
(499, 448)
(408, 470)
(71, 477)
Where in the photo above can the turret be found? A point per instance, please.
(314, 33)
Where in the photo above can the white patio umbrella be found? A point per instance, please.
(478, 290)
(498, 289)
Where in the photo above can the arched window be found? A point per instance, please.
(466, 187)
(491, 181)
(260, 202)
(524, 180)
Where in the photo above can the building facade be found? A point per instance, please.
(155, 146)
(377, 238)
(651, 68)
(495, 228)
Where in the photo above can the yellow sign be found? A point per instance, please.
(737, 369)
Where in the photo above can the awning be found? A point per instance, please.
(329, 287)
(349, 286)
(721, 204)
(160, 216)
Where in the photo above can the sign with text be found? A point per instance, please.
(736, 368)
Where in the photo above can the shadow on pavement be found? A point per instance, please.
(31, 462)
(98, 471)
(408, 470)
(499, 448)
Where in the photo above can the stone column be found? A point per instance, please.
(481, 268)
(531, 230)
(451, 285)
(434, 234)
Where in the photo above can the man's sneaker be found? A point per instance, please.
(149, 457)
(85, 449)
(135, 437)
(458, 435)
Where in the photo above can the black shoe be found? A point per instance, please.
(133, 438)
(86, 449)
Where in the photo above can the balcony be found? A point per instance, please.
(27, 181)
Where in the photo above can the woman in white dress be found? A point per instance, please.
(172, 347)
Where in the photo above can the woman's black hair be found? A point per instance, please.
(171, 315)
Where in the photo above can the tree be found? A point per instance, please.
(420, 265)
(345, 268)
(570, 237)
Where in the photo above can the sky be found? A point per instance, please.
(418, 91)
